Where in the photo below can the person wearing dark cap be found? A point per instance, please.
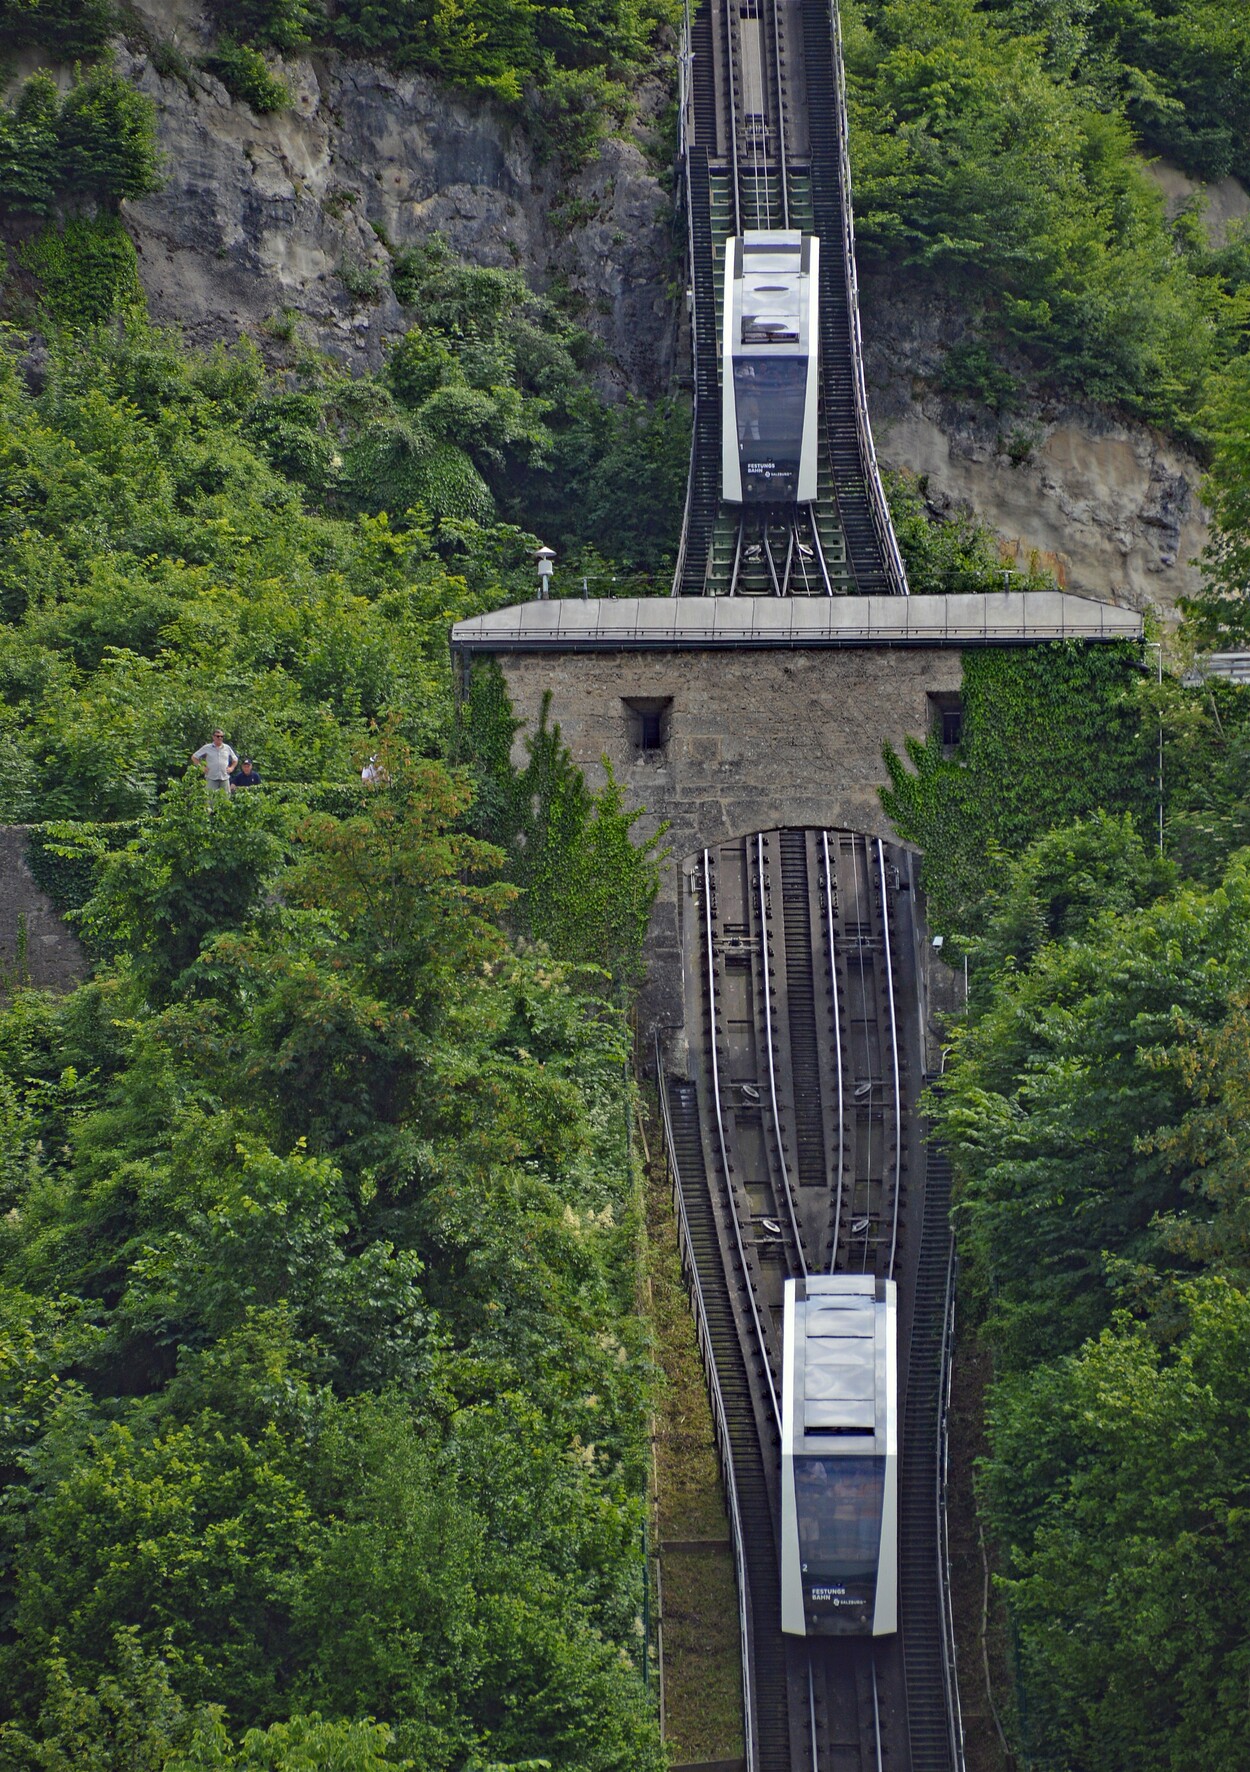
(246, 775)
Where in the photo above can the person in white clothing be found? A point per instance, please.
(218, 760)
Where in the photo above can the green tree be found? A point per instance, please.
(200, 866)
(1220, 617)
(1064, 1090)
(107, 138)
(68, 28)
(587, 887)
(1119, 1480)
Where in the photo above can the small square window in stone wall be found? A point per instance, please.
(650, 721)
(946, 719)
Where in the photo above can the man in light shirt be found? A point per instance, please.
(218, 760)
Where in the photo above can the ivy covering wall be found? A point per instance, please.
(1050, 733)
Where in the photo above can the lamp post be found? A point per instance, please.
(545, 556)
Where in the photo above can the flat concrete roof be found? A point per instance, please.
(697, 624)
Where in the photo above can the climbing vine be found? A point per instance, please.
(1049, 734)
(87, 270)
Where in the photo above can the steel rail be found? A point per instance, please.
(791, 541)
(686, 129)
(720, 1417)
(811, 1713)
(898, 1103)
(724, 1149)
(772, 1069)
(876, 1718)
(731, 99)
(778, 69)
(837, 1047)
(737, 565)
(820, 552)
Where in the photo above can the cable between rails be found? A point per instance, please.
(876, 1718)
(837, 1046)
(772, 1069)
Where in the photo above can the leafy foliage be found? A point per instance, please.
(587, 888)
(1050, 733)
(87, 271)
(97, 144)
(244, 72)
(1177, 65)
(191, 542)
(1220, 617)
(570, 69)
(1094, 1102)
(952, 554)
(67, 28)
(497, 371)
(990, 170)
(322, 1394)
(286, 24)
(1129, 1590)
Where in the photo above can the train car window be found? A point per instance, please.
(770, 396)
(839, 1503)
(839, 1509)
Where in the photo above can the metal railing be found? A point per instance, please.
(950, 1673)
(720, 1419)
(878, 507)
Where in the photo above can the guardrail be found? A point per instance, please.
(720, 1420)
(949, 1666)
(878, 507)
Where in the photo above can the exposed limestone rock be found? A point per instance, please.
(1224, 203)
(265, 214)
(1111, 505)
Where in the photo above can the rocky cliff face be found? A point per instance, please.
(266, 218)
(1110, 505)
(289, 212)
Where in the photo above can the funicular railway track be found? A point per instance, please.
(795, 1150)
(764, 136)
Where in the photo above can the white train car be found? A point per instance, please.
(839, 1457)
(770, 370)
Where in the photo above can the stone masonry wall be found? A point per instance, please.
(36, 945)
(753, 740)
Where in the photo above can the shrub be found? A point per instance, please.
(108, 138)
(30, 149)
(286, 24)
(244, 74)
(67, 27)
(99, 143)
